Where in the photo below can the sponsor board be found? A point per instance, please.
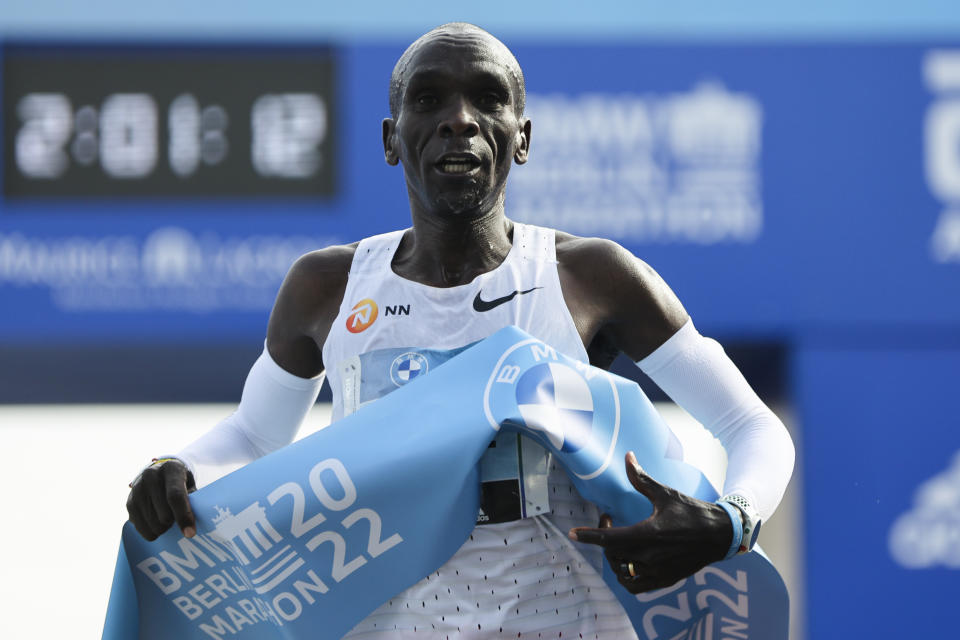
(646, 168)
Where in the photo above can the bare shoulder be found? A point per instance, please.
(590, 254)
(607, 267)
(306, 307)
(626, 301)
(322, 265)
(317, 277)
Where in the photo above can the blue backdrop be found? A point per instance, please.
(797, 177)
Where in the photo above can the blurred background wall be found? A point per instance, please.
(792, 171)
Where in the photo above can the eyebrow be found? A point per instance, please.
(435, 75)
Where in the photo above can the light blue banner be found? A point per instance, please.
(306, 542)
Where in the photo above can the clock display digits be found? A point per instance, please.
(40, 142)
(128, 135)
(287, 132)
(154, 121)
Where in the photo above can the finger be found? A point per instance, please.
(636, 582)
(613, 539)
(140, 508)
(643, 483)
(632, 584)
(605, 523)
(175, 481)
(643, 583)
(140, 520)
(161, 509)
(590, 535)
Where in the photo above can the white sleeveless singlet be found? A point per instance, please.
(522, 578)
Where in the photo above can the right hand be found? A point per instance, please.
(158, 498)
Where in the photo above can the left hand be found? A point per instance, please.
(681, 536)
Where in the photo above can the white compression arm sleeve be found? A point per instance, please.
(272, 407)
(699, 376)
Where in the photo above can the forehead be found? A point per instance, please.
(462, 55)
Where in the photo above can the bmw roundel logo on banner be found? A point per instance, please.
(563, 404)
(555, 399)
(408, 366)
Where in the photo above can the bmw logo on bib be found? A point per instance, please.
(564, 404)
(408, 366)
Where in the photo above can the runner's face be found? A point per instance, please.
(457, 129)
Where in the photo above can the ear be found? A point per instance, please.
(523, 142)
(389, 142)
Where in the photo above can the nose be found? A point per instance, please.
(458, 120)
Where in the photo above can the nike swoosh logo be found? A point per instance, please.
(481, 305)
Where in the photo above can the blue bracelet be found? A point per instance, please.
(737, 520)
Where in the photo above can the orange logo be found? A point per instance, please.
(364, 313)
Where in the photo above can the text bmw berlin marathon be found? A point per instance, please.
(257, 576)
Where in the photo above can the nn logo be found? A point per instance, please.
(363, 314)
(396, 310)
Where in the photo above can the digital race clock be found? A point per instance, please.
(94, 120)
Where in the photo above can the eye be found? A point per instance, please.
(425, 100)
(490, 100)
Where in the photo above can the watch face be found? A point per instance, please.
(755, 534)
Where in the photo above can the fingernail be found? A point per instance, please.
(633, 459)
(573, 535)
(189, 532)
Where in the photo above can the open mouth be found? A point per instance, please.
(457, 163)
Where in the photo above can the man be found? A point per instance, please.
(465, 270)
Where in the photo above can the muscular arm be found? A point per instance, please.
(622, 305)
(280, 389)
(617, 301)
(306, 306)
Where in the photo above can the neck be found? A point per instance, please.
(449, 251)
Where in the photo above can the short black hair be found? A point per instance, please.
(396, 78)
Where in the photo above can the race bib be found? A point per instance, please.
(513, 473)
(514, 469)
